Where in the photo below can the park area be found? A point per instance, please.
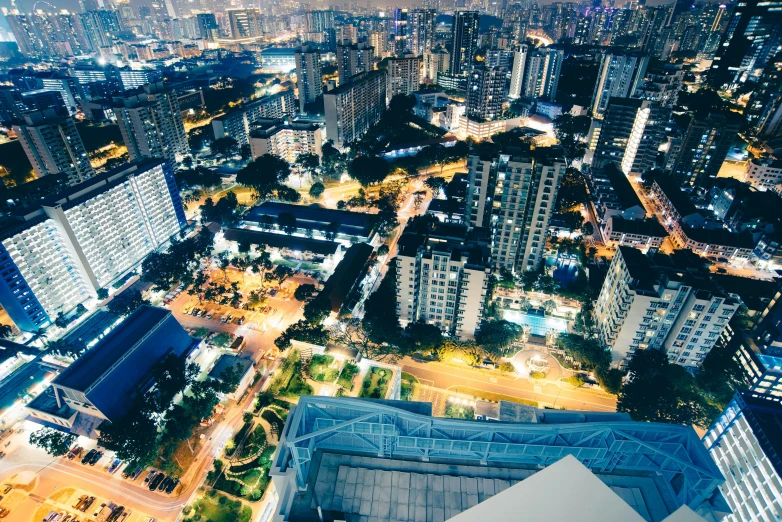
(212, 506)
(375, 385)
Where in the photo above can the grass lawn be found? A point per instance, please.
(459, 411)
(489, 396)
(375, 384)
(249, 480)
(217, 508)
(349, 372)
(321, 368)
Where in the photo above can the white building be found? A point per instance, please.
(236, 123)
(436, 61)
(764, 173)
(514, 196)
(53, 146)
(308, 75)
(744, 442)
(619, 76)
(517, 74)
(75, 242)
(286, 140)
(661, 303)
(442, 276)
(404, 75)
(353, 108)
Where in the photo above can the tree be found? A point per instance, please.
(264, 174)
(380, 321)
(610, 379)
(351, 333)
(496, 336)
(424, 337)
(573, 220)
(54, 442)
(571, 131)
(588, 229)
(333, 162)
(197, 177)
(223, 212)
(221, 340)
(286, 193)
(304, 292)
(368, 170)
(586, 352)
(287, 222)
(126, 302)
(226, 146)
(5, 331)
(317, 310)
(383, 250)
(660, 391)
(317, 189)
(435, 184)
(332, 230)
(134, 437)
(309, 163)
(102, 293)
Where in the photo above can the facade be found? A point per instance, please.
(353, 59)
(442, 278)
(437, 61)
(513, 195)
(759, 353)
(431, 468)
(764, 173)
(744, 444)
(541, 75)
(660, 302)
(404, 75)
(464, 41)
(101, 385)
(704, 148)
(644, 234)
(421, 26)
(618, 76)
(308, 75)
(486, 92)
(286, 140)
(53, 146)
(244, 23)
(353, 108)
(151, 124)
(517, 74)
(59, 253)
(238, 122)
(614, 196)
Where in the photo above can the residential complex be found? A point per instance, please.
(58, 253)
(288, 140)
(238, 122)
(353, 108)
(704, 148)
(661, 302)
(618, 76)
(464, 40)
(310, 83)
(404, 75)
(353, 59)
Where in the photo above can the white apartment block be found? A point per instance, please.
(619, 75)
(745, 445)
(442, 279)
(353, 108)
(286, 140)
(75, 242)
(660, 303)
(764, 173)
(517, 73)
(513, 196)
(436, 61)
(236, 123)
(53, 146)
(404, 75)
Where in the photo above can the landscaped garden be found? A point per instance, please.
(217, 508)
(375, 384)
(289, 382)
(322, 368)
(349, 372)
(455, 410)
(408, 380)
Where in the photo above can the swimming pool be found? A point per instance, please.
(537, 324)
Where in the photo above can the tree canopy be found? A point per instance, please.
(496, 336)
(368, 170)
(197, 177)
(126, 302)
(265, 174)
(54, 442)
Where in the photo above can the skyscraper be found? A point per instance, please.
(244, 23)
(542, 73)
(438, 60)
(100, 27)
(353, 108)
(151, 124)
(704, 148)
(486, 92)
(27, 35)
(207, 26)
(517, 74)
(401, 31)
(513, 194)
(619, 74)
(404, 75)
(465, 41)
(309, 78)
(53, 146)
(353, 59)
(422, 30)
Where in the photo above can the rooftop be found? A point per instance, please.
(645, 227)
(349, 270)
(229, 361)
(623, 189)
(302, 244)
(672, 190)
(720, 236)
(317, 217)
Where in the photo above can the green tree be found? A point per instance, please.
(264, 174)
(5, 331)
(54, 442)
(126, 302)
(610, 379)
(424, 337)
(383, 250)
(226, 146)
(317, 189)
(287, 222)
(317, 310)
(309, 163)
(304, 292)
(435, 184)
(221, 339)
(102, 293)
(369, 170)
(588, 229)
(496, 336)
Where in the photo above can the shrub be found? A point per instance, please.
(575, 380)
(507, 367)
(537, 375)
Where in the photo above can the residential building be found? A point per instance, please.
(53, 146)
(353, 59)
(100, 27)
(704, 148)
(103, 383)
(343, 289)
(623, 483)
(661, 302)
(238, 122)
(207, 27)
(421, 26)
(58, 253)
(442, 278)
(759, 352)
(763, 173)
(486, 92)
(353, 108)
(343, 224)
(662, 85)
(618, 76)
(401, 31)
(517, 74)
(27, 35)
(404, 75)
(768, 252)
(541, 76)
(292, 247)
(437, 61)
(744, 443)
(464, 41)
(643, 234)
(287, 140)
(244, 23)
(614, 196)
(308, 76)
(513, 194)
(630, 136)
(151, 124)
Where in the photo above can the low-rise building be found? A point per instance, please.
(644, 234)
(343, 224)
(764, 173)
(241, 366)
(287, 246)
(287, 140)
(675, 208)
(768, 252)
(614, 195)
(718, 243)
(343, 289)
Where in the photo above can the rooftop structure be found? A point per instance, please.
(638, 233)
(614, 194)
(336, 449)
(347, 276)
(317, 218)
(281, 241)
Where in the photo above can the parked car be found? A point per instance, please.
(173, 484)
(7, 488)
(150, 476)
(78, 502)
(75, 452)
(273, 292)
(156, 481)
(163, 485)
(85, 505)
(4, 512)
(95, 458)
(136, 473)
(115, 466)
(88, 457)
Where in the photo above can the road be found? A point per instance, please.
(448, 377)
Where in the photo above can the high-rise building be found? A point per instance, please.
(308, 75)
(71, 244)
(764, 109)
(53, 146)
(744, 443)
(353, 108)
(542, 73)
(661, 302)
(207, 26)
(404, 75)
(318, 21)
(287, 140)
(27, 35)
(441, 279)
(704, 148)
(353, 59)
(379, 41)
(100, 27)
(436, 61)
(631, 134)
(421, 26)
(401, 31)
(151, 124)
(464, 41)
(517, 74)
(619, 75)
(486, 92)
(513, 194)
(751, 39)
(238, 122)
(244, 23)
